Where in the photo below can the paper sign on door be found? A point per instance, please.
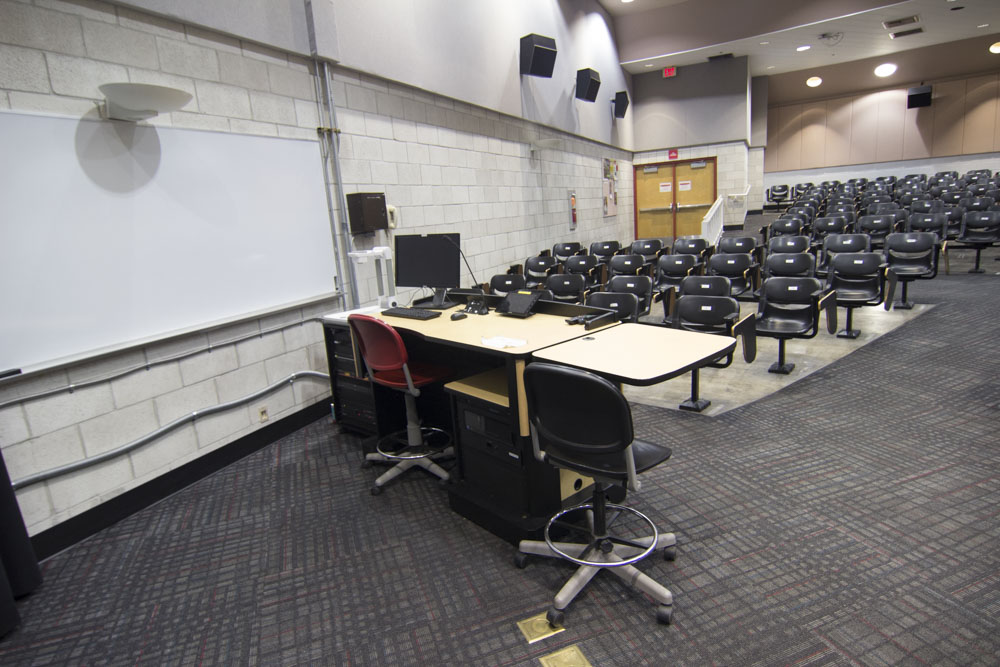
(666, 187)
(683, 186)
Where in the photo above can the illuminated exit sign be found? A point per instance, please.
(669, 72)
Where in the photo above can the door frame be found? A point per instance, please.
(673, 165)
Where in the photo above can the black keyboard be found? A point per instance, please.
(413, 313)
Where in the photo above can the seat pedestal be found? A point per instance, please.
(695, 404)
(848, 332)
(780, 366)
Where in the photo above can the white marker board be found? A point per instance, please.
(114, 232)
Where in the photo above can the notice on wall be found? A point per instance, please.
(683, 186)
(667, 187)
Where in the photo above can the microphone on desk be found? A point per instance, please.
(448, 238)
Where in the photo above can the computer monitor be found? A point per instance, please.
(429, 260)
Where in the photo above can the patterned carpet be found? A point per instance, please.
(850, 518)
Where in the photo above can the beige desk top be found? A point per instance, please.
(638, 354)
(538, 331)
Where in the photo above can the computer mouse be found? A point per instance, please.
(458, 316)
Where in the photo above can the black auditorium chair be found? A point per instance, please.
(605, 250)
(976, 203)
(836, 244)
(935, 223)
(625, 265)
(926, 206)
(700, 285)
(502, 283)
(791, 308)
(980, 230)
(538, 269)
(388, 364)
(778, 195)
(641, 286)
(696, 246)
(911, 256)
(563, 251)
(877, 227)
(589, 267)
(672, 269)
(860, 279)
(788, 244)
(824, 226)
(800, 264)
(741, 269)
(783, 227)
(715, 315)
(625, 304)
(566, 287)
(740, 244)
(581, 422)
(648, 249)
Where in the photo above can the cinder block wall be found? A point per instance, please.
(446, 165)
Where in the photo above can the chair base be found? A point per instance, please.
(849, 333)
(783, 369)
(435, 444)
(695, 405)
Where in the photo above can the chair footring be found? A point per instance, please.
(783, 369)
(849, 333)
(396, 447)
(695, 406)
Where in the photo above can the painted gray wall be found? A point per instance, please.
(703, 104)
(758, 111)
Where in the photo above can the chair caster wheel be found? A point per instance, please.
(670, 553)
(665, 614)
(555, 617)
(521, 560)
(376, 490)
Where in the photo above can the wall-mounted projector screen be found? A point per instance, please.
(114, 232)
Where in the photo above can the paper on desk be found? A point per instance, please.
(501, 342)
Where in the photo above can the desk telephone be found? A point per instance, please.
(476, 307)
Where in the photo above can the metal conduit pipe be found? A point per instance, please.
(151, 364)
(146, 439)
(333, 137)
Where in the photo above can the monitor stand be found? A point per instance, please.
(440, 300)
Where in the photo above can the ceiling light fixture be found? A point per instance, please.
(764, 43)
(995, 47)
(885, 69)
(626, 1)
(983, 25)
(813, 81)
(804, 47)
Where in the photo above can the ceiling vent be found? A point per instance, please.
(899, 23)
(905, 33)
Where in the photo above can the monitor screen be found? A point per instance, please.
(429, 260)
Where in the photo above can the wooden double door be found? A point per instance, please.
(671, 198)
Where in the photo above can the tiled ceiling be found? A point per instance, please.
(841, 40)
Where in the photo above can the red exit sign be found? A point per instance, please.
(669, 72)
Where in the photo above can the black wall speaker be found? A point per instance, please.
(621, 103)
(588, 82)
(918, 97)
(366, 211)
(538, 55)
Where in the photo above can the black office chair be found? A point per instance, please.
(641, 286)
(715, 315)
(388, 364)
(582, 422)
(502, 283)
(566, 287)
(911, 256)
(538, 269)
(791, 308)
(625, 304)
(980, 230)
(860, 279)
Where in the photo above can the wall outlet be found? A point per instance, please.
(263, 415)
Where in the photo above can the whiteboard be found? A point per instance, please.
(114, 232)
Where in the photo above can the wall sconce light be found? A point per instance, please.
(139, 101)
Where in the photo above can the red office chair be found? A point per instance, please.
(385, 358)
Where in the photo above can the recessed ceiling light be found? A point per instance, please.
(650, 64)
(626, 1)
(885, 69)
(804, 47)
(983, 25)
(764, 43)
(813, 81)
(995, 47)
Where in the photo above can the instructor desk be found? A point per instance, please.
(497, 482)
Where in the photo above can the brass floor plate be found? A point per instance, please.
(537, 628)
(571, 656)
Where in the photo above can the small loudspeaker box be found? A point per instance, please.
(538, 55)
(621, 104)
(588, 82)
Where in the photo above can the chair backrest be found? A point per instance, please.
(928, 222)
(826, 225)
(604, 249)
(647, 248)
(926, 206)
(707, 314)
(730, 264)
(794, 243)
(737, 244)
(625, 265)
(876, 226)
(381, 346)
(911, 251)
(625, 304)
(838, 243)
(539, 266)
(566, 286)
(801, 264)
(690, 246)
(976, 203)
(808, 211)
(981, 227)
(582, 264)
(705, 285)
(674, 266)
(787, 302)
(782, 227)
(562, 251)
(854, 268)
(506, 282)
(579, 420)
(641, 286)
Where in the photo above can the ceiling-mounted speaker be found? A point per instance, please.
(588, 82)
(538, 55)
(918, 97)
(620, 103)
